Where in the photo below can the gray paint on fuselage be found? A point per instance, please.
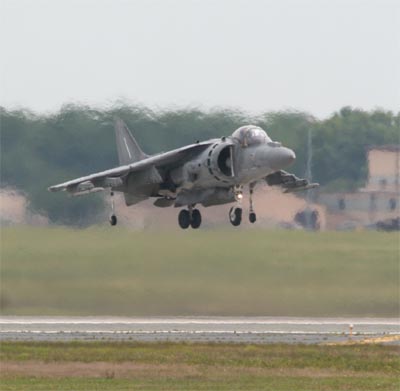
(205, 172)
(250, 164)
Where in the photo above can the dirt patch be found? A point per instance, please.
(174, 371)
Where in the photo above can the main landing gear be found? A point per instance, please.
(235, 213)
(189, 217)
(113, 217)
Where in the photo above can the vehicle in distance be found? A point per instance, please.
(207, 173)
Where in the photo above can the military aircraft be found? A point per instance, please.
(211, 172)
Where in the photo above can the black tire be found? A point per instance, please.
(235, 216)
(184, 219)
(113, 220)
(196, 219)
(252, 217)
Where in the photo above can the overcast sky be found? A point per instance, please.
(256, 55)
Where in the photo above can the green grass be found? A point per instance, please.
(180, 366)
(371, 358)
(265, 383)
(103, 271)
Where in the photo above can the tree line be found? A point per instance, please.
(38, 150)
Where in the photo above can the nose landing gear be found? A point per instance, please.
(189, 217)
(235, 213)
(235, 216)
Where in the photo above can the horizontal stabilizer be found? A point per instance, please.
(289, 182)
(301, 188)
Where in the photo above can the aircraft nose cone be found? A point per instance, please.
(282, 158)
(291, 156)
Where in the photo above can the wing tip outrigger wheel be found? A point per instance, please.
(113, 217)
(252, 214)
(113, 220)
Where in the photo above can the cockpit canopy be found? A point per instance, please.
(251, 135)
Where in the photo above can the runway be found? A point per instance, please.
(260, 330)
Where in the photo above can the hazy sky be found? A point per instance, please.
(256, 55)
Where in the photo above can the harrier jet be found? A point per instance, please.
(207, 173)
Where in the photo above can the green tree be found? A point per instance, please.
(40, 150)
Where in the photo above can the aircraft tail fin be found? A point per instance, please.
(128, 149)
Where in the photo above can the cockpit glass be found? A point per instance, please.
(251, 135)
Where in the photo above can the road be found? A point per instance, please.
(199, 329)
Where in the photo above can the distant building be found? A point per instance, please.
(378, 200)
(383, 169)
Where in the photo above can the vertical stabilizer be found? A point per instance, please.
(128, 148)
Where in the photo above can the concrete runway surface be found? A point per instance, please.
(200, 329)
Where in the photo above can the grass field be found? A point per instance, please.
(104, 271)
(169, 366)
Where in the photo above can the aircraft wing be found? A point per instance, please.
(108, 178)
(289, 182)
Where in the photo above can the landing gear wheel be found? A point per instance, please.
(184, 219)
(196, 219)
(235, 216)
(113, 220)
(252, 217)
